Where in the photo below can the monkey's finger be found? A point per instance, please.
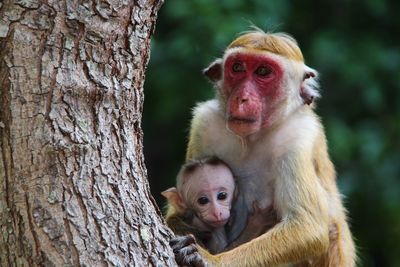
(256, 207)
(189, 256)
(196, 260)
(182, 241)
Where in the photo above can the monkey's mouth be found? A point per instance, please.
(243, 126)
(240, 120)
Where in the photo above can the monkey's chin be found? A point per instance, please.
(218, 224)
(244, 127)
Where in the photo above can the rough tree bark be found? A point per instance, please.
(73, 188)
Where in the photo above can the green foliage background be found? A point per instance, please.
(355, 47)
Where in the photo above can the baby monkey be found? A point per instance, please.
(203, 199)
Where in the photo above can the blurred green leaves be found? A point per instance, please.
(355, 45)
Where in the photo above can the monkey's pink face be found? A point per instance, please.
(252, 87)
(211, 190)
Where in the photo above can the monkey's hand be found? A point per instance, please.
(262, 218)
(186, 251)
(259, 222)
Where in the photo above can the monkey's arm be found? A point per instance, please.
(180, 226)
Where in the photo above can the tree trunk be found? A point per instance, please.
(73, 188)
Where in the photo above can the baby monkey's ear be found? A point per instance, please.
(174, 198)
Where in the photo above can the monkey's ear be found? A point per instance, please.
(309, 86)
(174, 198)
(214, 71)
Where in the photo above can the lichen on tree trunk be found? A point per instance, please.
(73, 188)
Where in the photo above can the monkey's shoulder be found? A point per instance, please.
(208, 112)
(299, 132)
(303, 122)
(209, 133)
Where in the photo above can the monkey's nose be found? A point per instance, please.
(241, 99)
(218, 215)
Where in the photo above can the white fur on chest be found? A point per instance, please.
(254, 160)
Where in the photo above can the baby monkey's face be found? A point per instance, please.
(211, 190)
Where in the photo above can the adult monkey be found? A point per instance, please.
(263, 126)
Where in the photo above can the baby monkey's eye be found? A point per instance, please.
(203, 200)
(222, 195)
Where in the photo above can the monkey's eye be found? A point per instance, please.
(203, 200)
(222, 195)
(237, 67)
(263, 71)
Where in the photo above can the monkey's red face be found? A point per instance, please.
(252, 85)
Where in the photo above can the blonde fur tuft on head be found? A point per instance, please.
(278, 43)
